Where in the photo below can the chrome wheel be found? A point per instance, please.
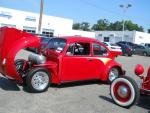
(40, 80)
(113, 74)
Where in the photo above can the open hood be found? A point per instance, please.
(11, 41)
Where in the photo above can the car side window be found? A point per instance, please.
(78, 49)
(141, 47)
(99, 50)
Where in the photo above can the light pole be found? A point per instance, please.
(40, 18)
(124, 7)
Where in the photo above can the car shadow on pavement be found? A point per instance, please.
(144, 102)
(8, 85)
(77, 83)
(71, 84)
(106, 99)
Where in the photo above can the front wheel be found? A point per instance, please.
(38, 80)
(19, 66)
(124, 91)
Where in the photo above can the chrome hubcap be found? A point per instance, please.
(122, 91)
(40, 80)
(113, 74)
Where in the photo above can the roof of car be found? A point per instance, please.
(79, 38)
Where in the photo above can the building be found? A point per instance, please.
(115, 36)
(51, 26)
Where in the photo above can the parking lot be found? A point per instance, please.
(84, 97)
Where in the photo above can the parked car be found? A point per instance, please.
(142, 50)
(126, 50)
(145, 44)
(113, 47)
(125, 91)
(132, 45)
(65, 59)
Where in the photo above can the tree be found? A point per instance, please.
(101, 25)
(131, 26)
(116, 26)
(85, 26)
(76, 26)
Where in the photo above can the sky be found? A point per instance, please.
(88, 10)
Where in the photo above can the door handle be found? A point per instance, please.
(89, 59)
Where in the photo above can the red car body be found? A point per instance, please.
(62, 67)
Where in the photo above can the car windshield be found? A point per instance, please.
(57, 44)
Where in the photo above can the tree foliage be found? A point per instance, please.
(76, 26)
(104, 24)
(101, 25)
(85, 26)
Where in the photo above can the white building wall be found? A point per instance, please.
(115, 36)
(141, 37)
(59, 26)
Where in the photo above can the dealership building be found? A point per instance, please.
(115, 36)
(51, 25)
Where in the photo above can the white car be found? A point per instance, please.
(113, 47)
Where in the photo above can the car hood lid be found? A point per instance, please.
(11, 41)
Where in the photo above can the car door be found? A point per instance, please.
(141, 50)
(78, 64)
(100, 58)
(137, 50)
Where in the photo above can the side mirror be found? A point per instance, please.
(139, 70)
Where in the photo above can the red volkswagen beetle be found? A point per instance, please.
(64, 59)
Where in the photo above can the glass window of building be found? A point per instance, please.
(48, 32)
(31, 30)
(7, 25)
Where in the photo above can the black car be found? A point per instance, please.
(127, 43)
(126, 50)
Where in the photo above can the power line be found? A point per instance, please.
(111, 12)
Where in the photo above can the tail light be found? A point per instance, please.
(129, 49)
(139, 70)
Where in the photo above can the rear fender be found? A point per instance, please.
(108, 67)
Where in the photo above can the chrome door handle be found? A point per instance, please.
(89, 59)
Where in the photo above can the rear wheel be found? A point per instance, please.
(144, 54)
(124, 91)
(38, 80)
(113, 74)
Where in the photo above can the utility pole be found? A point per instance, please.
(124, 7)
(40, 18)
